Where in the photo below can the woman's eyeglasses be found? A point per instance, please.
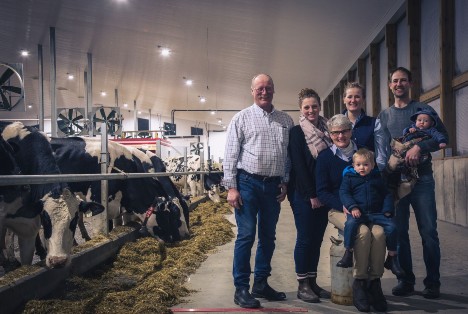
(342, 132)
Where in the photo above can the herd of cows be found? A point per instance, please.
(57, 208)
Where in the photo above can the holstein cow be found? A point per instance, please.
(26, 151)
(144, 197)
(212, 181)
(167, 184)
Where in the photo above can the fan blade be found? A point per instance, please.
(5, 76)
(79, 127)
(103, 113)
(96, 119)
(111, 115)
(63, 126)
(77, 118)
(70, 114)
(6, 104)
(13, 89)
(65, 119)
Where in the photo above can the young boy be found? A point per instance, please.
(364, 193)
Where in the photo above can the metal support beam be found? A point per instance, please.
(53, 83)
(40, 87)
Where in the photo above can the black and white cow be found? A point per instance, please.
(212, 181)
(26, 151)
(167, 184)
(142, 196)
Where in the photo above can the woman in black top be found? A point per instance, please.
(306, 140)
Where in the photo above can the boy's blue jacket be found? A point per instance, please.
(368, 193)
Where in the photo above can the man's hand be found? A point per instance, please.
(234, 198)
(356, 212)
(412, 156)
(282, 195)
(315, 202)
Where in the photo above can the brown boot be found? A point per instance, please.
(322, 293)
(305, 293)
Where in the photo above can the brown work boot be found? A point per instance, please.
(305, 293)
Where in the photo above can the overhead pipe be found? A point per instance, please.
(216, 110)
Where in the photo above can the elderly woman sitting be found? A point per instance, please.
(369, 248)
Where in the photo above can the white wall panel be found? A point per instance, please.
(461, 99)
(461, 36)
(430, 65)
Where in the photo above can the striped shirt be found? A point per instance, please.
(257, 142)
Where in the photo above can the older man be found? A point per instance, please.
(256, 170)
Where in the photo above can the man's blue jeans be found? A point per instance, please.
(259, 200)
(310, 227)
(422, 199)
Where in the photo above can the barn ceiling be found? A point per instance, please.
(218, 44)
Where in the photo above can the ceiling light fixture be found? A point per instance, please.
(70, 76)
(125, 105)
(202, 99)
(103, 93)
(213, 112)
(24, 53)
(164, 51)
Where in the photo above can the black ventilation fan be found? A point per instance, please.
(71, 121)
(110, 116)
(196, 148)
(11, 85)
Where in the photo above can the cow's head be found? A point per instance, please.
(213, 185)
(59, 219)
(167, 221)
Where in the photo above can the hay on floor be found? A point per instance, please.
(146, 276)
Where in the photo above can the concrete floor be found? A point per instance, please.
(214, 285)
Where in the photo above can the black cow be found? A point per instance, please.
(169, 187)
(24, 150)
(141, 196)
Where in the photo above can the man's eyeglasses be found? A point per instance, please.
(260, 90)
(342, 132)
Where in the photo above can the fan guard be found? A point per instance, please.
(111, 116)
(11, 85)
(71, 121)
(196, 148)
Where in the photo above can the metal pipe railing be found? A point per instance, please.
(41, 179)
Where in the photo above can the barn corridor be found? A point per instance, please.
(213, 280)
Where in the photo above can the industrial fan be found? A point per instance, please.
(11, 85)
(196, 148)
(109, 115)
(71, 121)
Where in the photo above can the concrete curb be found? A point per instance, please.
(44, 281)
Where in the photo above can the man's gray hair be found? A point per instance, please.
(269, 79)
(339, 121)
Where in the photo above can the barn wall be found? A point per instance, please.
(451, 187)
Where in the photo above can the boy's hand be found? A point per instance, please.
(442, 145)
(356, 213)
(412, 130)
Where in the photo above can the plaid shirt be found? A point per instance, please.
(257, 142)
